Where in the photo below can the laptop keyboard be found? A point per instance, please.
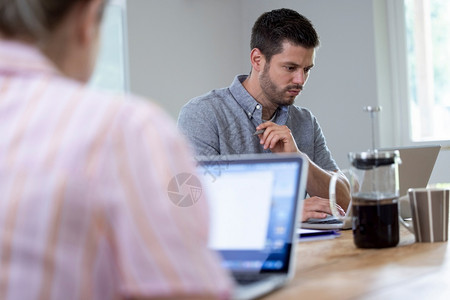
(330, 221)
(244, 279)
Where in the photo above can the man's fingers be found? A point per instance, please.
(320, 205)
(265, 125)
(272, 140)
(313, 215)
(317, 204)
(272, 136)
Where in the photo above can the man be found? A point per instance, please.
(256, 113)
(84, 206)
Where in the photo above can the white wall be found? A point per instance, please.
(180, 49)
(183, 48)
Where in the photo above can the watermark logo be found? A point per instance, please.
(216, 164)
(184, 190)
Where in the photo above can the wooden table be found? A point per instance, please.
(336, 269)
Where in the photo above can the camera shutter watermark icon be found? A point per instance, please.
(184, 190)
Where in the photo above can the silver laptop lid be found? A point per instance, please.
(254, 209)
(417, 165)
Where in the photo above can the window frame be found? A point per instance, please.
(392, 76)
(122, 5)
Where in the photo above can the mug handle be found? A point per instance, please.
(332, 195)
(410, 227)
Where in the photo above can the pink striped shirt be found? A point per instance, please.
(84, 205)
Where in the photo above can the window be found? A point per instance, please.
(428, 60)
(111, 71)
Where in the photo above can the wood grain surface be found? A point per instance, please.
(336, 269)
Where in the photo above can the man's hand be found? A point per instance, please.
(277, 138)
(318, 208)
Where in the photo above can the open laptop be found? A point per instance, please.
(255, 204)
(416, 167)
(414, 172)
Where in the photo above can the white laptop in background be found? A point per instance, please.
(255, 203)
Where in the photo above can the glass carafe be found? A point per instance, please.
(375, 192)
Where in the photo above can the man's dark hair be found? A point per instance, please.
(274, 27)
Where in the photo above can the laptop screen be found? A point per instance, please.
(253, 210)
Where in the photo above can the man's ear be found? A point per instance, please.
(257, 59)
(89, 14)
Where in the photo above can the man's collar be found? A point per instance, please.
(253, 108)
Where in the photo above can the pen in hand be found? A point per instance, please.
(258, 132)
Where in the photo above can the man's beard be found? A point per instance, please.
(273, 93)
